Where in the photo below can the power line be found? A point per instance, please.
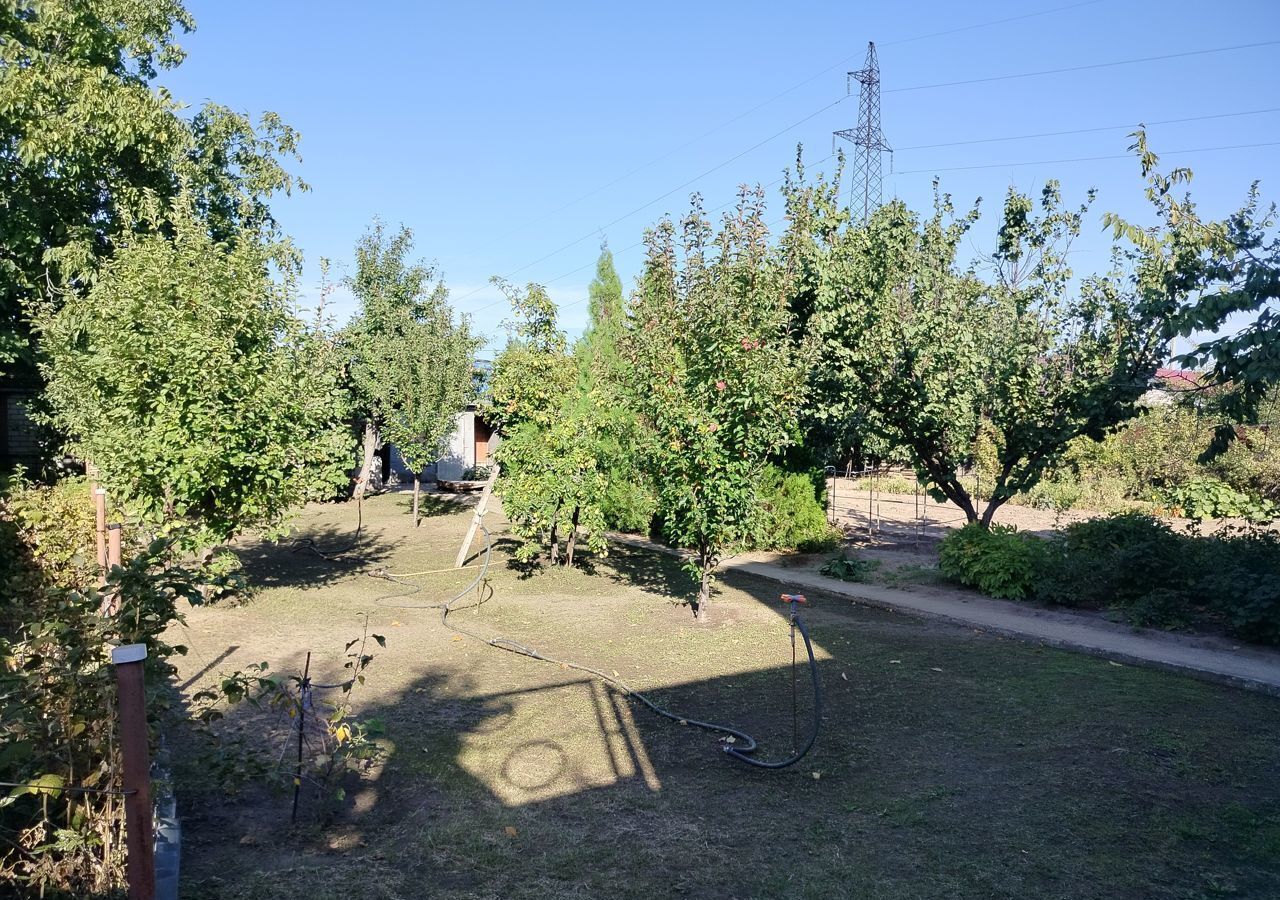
(795, 87)
(1022, 137)
(640, 243)
(1048, 162)
(596, 231)
(1106, 65)
(1031, 15)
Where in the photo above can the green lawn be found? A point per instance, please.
(950, 764)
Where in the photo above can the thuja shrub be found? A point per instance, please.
(791, 514)
(57, 686)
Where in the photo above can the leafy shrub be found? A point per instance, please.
(792, 514)
(1240, 578)
(479, 472)
(57, 687)
(1210, 498)
(1057, 494)
(847, 569)
(1141, 567)
(1000, 561)
(1112, 561)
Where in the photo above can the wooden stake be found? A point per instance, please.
(481, 508)
(139, 840)
(111, 599)
(100, 526)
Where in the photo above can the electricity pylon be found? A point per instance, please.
(866, 189)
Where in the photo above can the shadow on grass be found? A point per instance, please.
(949, 764)
(648, 570)
(312, 557)
(431, 505)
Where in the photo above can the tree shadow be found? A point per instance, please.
(510, 776)
(432, 504)
(312, 557)
(651, 571)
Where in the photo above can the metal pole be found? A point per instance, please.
(139, 840)
(100, 527)
(304, 694)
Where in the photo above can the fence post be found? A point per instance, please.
(139, 840)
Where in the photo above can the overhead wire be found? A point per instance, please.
(1040, 134)
(1105, 65)
(1075, 159)
(795, 87)
(1091, 66)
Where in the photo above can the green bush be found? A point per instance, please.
(1152, 575)
(1112, 561)
(1239, 577)
(1210, 498)
(847, 569)
(1000, 561)
(57, 688)
(791, 514)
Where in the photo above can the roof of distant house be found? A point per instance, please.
(1177, 378)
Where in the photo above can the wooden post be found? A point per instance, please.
(481, 508)
(111, 599)
(100, 525)
(139, 840)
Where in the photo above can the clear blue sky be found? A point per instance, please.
(477, 125)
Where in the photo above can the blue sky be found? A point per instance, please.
(500, 133)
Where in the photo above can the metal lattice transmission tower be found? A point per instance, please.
(866, 191)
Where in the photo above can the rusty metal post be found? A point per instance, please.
(100, 525)
(139, 840)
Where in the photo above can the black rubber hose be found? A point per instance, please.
(732, 735)
(741, 754)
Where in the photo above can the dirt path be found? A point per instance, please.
(1257, 668)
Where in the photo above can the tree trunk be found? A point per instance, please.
(366, 465)
(987, 514)
(573, 537)
(955, 492)
(704, 595)
(708, 562)
(417, 490)
(555, 536)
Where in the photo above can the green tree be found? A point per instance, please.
(712, 376)
(934, 357)
(178, 376)
(1214, 273)
(534, 373)
(599, 402)
(86, 137)
(430, 376)
(412, 362)
(548, 471)
(552, 482)
(321, 358)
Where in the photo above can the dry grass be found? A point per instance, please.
(951, 763)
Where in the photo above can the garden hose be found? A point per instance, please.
(735, 743)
